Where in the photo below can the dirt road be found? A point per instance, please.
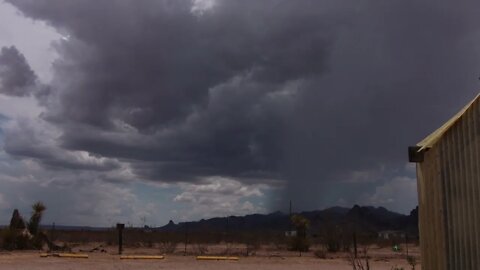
(32, 260)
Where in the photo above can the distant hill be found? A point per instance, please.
(367, 218)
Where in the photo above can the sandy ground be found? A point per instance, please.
(381, 260)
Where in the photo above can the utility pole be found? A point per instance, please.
(52, 234)
(290, 213)
(290, 219)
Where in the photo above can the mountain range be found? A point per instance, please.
(366, 218)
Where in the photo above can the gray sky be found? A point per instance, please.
(115, 111)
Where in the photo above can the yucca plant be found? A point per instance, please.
(34, 223)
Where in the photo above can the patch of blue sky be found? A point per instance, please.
(159, 200)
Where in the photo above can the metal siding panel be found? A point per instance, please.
(470, 196)
(459, 184)
(466, 201)
(449, 188)
(446, 203)
(438, 212)
(476, 176)
(454, 262)
(422, 212)
(456, 217)
(432, 227)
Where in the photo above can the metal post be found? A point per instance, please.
(406, 243)
(120, 228)
(186, 239)
(355, 243)
(52, 234)
(226, 236)
(290, 218)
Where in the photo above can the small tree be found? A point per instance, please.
(300, 242)
(17, 222)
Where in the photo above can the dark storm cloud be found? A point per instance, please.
(16, 76)
(306, 91)
(154, 82)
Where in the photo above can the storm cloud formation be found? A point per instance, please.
(16, 76)
(323, 95)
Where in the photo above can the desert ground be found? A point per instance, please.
(381, 259)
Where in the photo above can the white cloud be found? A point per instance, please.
(399, 194)
(219, 196)
(76, 199)
(201, 6)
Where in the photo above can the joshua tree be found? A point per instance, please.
(38, 209)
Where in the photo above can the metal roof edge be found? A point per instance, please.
(433, 138)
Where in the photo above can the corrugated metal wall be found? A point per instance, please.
(449, 197)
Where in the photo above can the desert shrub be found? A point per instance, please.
(8, 239)
(168, 247)
(320, 253)
(299, 244)
(37, 241)
(280, 242)
(331, 237)
(200, 248)
(149, 243)
(362, 261)
(251, 248)
(412, 261)
(251, 242)
(1, 238)
(14, 239)
(332, 244)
